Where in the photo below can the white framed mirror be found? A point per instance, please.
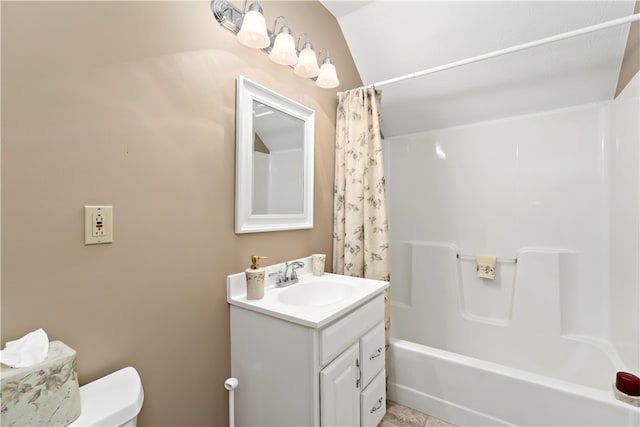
(274, 160)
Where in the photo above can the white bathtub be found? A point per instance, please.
(500, 353)
(470, 392)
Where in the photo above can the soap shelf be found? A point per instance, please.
(623, 397)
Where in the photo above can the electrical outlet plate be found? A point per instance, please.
(98, 225)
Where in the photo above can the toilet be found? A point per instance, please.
(114, 400)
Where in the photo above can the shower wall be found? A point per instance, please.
(278, 182)
(624, 224)
(564, 180)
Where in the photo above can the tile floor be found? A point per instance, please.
(401, 416)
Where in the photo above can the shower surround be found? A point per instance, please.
(555, 196)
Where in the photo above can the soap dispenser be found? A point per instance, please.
(255, 278)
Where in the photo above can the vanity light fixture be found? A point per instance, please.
(250, 28)
(253, 32)
(327, 77)
(284, 48)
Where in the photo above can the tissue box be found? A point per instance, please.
(45, 394)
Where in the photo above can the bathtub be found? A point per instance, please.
(501, 353)
(470, 392)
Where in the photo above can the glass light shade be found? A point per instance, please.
(253, 32)
(307, 64)
(327, 78)
(284, 50)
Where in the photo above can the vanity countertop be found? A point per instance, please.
(314, 314)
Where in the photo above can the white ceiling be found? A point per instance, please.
(388, 39)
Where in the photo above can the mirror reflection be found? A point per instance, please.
(278, 162)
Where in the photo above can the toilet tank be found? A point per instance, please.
(114, 400)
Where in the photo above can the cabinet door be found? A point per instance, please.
(339, 390)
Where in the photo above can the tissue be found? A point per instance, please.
(26, 351)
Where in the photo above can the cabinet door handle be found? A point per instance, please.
(378, 353)
(378, 406)
(359, 373)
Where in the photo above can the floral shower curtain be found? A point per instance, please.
(360, 241)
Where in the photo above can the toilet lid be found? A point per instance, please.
(111, 400)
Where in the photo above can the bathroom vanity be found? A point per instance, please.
(309, 354)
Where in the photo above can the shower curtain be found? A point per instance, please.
(360, 229)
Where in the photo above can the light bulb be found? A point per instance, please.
(327, 78)
(253, 32)
(284, 49)
(307, 64)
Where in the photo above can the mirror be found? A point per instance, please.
(274, 161)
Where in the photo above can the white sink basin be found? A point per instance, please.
(316, 293)
(315, 301)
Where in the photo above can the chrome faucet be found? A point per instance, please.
(284, 278)
(294, 266)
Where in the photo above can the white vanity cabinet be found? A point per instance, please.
(292, 374)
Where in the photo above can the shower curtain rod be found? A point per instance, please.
(563, 36)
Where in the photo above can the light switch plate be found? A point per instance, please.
(98, 225)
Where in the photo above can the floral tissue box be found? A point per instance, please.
(45, 394)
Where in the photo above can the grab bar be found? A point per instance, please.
(473, 258)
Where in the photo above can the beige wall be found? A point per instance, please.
(132, 104)
(631, 60)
